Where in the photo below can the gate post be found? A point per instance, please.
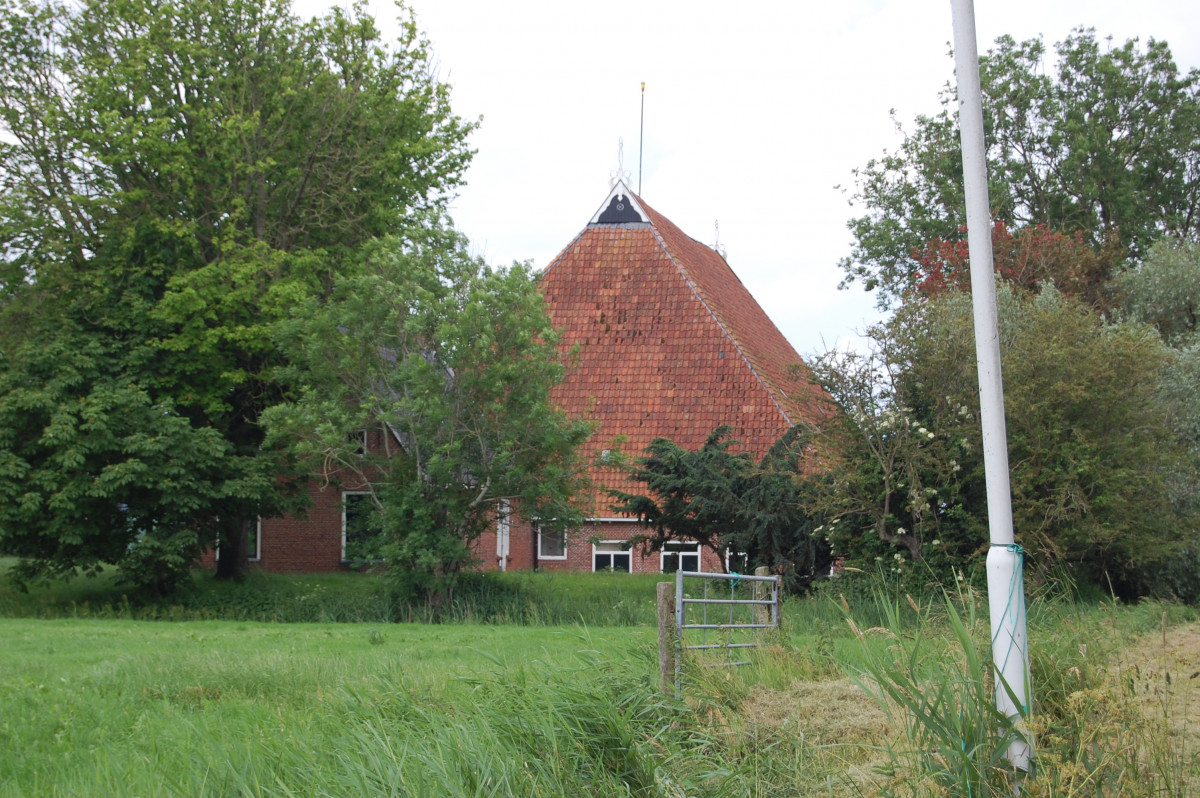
(666, 636)
(762, 613)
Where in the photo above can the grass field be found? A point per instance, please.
(93, 707)
(106, 704)
(520, 597)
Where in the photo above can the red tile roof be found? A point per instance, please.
(671, 343)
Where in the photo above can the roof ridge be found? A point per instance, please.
(769, 386)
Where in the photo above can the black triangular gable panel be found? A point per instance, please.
(619, 211)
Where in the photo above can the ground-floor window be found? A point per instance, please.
(611, 555)
(552, 545)
(360, 533)
(736, 561)
(254, 542)
(681, 555)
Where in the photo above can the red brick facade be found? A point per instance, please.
(581, 549)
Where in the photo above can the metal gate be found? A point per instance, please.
(725, 619)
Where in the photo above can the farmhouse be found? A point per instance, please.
(670, 344)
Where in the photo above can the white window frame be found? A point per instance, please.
(503, 533)
(624, 550)
(681, 553)
(552, 557)
(346, 493)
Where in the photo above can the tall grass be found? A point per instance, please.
(505, 702)
(930, 668)
(935, 677)
(522, 598)
(202, 709)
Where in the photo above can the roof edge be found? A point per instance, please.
(695, 289)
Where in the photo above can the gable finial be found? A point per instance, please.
(718, 246)
(620, 174)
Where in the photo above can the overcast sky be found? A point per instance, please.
(755, 113)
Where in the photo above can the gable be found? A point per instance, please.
(670, 343)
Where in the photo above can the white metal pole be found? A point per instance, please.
(1005, 573)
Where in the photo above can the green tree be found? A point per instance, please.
(1103, 143)
(175, 177)
(727, 502)
(1093, 454)
(888, 469)
(1164, 290)
(94, 470)
(455, 362)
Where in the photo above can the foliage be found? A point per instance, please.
(1094, 460)
(886, 470)
(1100, 143)
(727, 502)
(1164, 290)
(1028, 258)
(453, 361)
(522, 598)
(96, 471)
(175, 177)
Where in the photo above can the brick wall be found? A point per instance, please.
(523, 554)
(306, 544)
(312, 542)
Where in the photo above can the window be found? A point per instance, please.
(503, 533)
(254, 542)
(737, 561)
(552, 545)
(611, 555)
(357, 442)
(680, 556)
(360, 530)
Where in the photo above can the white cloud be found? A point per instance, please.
(754, 112)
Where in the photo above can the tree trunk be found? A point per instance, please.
(231, 556)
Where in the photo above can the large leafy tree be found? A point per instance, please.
(1104, 142)
(1026, 259)
(454, 362)
(174, 177)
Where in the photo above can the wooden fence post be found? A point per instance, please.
(666, 636)
(762, 592)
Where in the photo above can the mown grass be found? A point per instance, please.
(114, 706)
